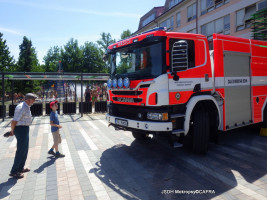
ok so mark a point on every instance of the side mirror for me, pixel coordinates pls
(124, 55)
(105, 57)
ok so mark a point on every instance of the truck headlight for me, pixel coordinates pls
(157, 116)
(120, 83)
(109, 83)
(114, 82)
(126, 82)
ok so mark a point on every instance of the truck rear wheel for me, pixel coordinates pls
(214, 122)
(139, 136)
(201, 131)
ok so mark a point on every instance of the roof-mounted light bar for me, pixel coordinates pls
(155, 29)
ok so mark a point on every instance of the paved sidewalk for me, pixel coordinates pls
(102, 163)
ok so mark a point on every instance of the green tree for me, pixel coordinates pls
(27, 62)
(103, 44)
(71, 55)
(125, 62)
(92, 58)
(6, 60)
(125, 34)
(52, 58)
(27, 56)
(105, 41)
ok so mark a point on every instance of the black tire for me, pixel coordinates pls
(214, 122)
(201, 131)
(139, 136)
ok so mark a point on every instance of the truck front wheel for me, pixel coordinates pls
(139, 136)
(201, 131)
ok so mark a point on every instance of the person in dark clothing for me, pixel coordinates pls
(20, 128)
(87, 94)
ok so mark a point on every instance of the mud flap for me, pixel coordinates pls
(263, 132)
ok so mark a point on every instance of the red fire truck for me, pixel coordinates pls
(171, 84)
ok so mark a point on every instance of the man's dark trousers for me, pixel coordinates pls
(22, 135)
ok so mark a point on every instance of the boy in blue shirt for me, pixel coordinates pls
(55, 126)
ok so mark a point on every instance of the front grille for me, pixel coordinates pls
(127, 100)
(129, 112)
(128, 93)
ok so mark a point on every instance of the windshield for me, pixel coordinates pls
(138, 62)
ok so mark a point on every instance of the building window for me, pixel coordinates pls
(226, 25)
(173, 3)
(148, 19)
(243, 17)
(209, 5)
(168, 23)
(262, 5)
(192, 31)
(191, 12)
(221, 25)
(178, 19)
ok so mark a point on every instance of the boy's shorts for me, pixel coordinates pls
(56, 137)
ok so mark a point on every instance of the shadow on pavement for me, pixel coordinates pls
(46, 164)
(4, 187)
(144, 170)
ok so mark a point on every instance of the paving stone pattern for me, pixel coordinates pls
(104, 164)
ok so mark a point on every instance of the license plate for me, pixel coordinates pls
(121, 122)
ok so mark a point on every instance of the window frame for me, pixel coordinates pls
(224, 31)
(263, 1)
(246, 23)
(171, 23)
(194, 15)
(150, 17)
(173, 3)
(205, 10)
(178, 25)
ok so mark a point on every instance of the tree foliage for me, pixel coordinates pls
(74, 58)
(125, 34)
(103, 44)
(92, 58)
(125, 63)
(71, 55)
(27, 62)
(105, 41)
(52, 59)
(6, 60)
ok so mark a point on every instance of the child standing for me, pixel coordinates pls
(55, 126)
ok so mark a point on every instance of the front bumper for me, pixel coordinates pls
(142, 125)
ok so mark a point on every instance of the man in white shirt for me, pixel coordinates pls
(20, 128)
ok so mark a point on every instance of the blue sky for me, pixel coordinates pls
(48, 23)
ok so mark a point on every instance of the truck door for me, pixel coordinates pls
(237, 89)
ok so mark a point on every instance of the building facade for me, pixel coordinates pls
(229, 17)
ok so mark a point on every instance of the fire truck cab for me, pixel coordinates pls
(171, 84)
